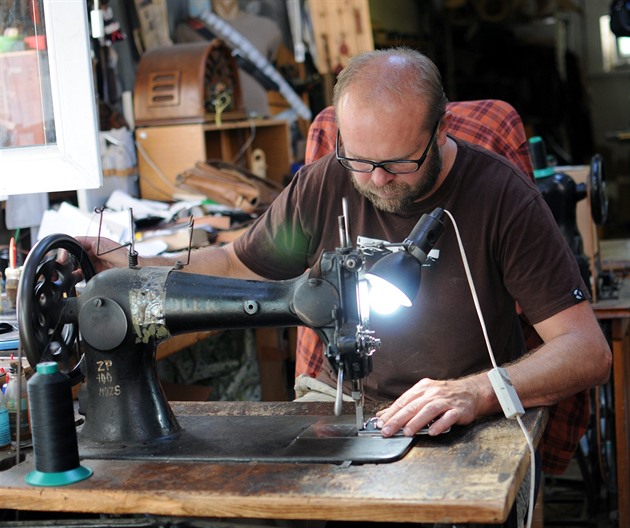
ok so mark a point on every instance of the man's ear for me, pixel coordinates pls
(445, 125)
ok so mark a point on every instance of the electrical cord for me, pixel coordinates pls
(528, 438)
(157, 171)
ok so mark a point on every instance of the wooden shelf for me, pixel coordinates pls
(165, 151)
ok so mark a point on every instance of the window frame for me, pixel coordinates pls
(73, 161)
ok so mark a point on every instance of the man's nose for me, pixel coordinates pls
(380, 177)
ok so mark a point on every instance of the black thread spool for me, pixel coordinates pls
(52, 424)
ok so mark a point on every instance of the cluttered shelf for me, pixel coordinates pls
(165, 152)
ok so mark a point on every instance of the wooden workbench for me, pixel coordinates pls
(470, 474)
(617, 311)
(615, 254)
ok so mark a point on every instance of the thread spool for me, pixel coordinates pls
(55, 442)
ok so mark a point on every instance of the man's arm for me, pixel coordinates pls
(219, 261)
(574, 357)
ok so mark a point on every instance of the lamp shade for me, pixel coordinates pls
(401, 269)
(401, 272)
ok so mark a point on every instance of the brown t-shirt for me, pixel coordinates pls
(512, 243)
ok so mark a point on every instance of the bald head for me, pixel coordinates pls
(398, 77)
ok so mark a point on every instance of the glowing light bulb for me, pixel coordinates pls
(385, 298)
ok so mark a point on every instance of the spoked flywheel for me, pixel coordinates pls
(50, 282)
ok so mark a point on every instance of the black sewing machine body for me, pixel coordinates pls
(124, 313)
(106, 336)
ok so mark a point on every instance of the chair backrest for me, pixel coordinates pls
(497, 126)
(490, 123)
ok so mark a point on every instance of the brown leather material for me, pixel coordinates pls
(178, 84)
(229, 185)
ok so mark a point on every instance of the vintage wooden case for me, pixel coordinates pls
(183, 83)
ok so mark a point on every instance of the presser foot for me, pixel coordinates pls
(370, 429)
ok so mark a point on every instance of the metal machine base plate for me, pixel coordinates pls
(305, 439)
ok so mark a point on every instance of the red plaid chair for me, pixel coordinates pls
(496, 126)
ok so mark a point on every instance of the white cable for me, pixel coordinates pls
(528, 437)
(473, 291)
(532, 467)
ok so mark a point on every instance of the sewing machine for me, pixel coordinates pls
(107, 333)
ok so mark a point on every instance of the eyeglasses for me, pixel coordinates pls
(391, 166)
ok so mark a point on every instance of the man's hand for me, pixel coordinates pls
(445, 403)
(104, 253)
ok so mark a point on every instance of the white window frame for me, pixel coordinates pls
(73, 162)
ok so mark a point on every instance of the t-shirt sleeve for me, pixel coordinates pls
(299, 225)
(287, 239)
(534, 249)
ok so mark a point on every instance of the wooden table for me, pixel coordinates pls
(471, 474)
(615, 254)
(617, 311)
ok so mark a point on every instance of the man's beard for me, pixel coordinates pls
(401, 195)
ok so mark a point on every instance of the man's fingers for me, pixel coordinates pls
(444, 423)
(385, 415)
(414, 416)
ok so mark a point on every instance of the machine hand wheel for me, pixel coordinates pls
(51, 276)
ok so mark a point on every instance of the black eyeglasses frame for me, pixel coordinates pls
(383, 164)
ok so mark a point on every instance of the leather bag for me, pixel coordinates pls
(229, 185)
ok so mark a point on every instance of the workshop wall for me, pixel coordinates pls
(545, 58)
(609, 102)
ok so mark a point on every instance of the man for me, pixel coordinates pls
(395, 161)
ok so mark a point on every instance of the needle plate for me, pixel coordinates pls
(305, 439)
